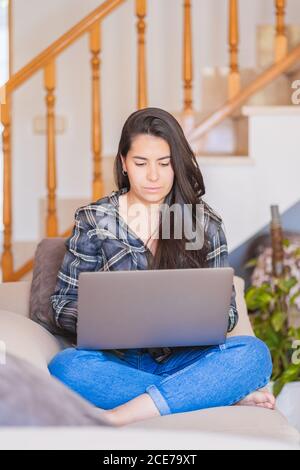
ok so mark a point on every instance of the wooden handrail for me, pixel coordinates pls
(236, 102)
(61, 44)
(46, 62)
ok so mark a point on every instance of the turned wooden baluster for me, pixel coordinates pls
(95, 46)
(141, 11)
(234, 79)
(7, 256)
(188, 58)
(50, 83)
(281, 41)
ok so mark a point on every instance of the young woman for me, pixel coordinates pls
(154, 168)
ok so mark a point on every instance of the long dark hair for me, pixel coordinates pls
(188, 186)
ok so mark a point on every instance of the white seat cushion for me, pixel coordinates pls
(240, 420)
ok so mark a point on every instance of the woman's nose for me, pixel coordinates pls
(153, 174)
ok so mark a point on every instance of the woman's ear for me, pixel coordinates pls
(123, 162)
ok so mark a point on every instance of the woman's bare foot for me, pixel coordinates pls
(261, 398)
(139, 408)
(108, 417)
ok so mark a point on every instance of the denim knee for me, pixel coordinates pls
(245, 362)
(257, 351)
(68, 362)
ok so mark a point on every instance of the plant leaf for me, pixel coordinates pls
(292, 374)
(297, 252)
(277, 320)
(257, 298)
(294, 297)
(251, 263)
(287, 284)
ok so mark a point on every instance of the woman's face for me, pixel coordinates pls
(148, 164)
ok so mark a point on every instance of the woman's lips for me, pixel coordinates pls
(152, 189)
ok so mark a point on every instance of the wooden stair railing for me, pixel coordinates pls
(187, 117)
(62, 43)
(234, 78)
(91, 24)
(236, 96)
(95, 47)
(187, 59)
(50, 85)
(281, 42)
(46, 61)
(141, 11)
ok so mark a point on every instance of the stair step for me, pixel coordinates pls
(215, 89)
(228, 138)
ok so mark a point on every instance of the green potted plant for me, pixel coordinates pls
(275, 306)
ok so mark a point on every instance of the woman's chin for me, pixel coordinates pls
(155, 199)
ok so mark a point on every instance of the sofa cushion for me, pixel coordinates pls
(249, 421)
(103, 438)
(15, 297)
(47, 262)
(30, 398)
(26, 339)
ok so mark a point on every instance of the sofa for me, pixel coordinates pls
(24, 335)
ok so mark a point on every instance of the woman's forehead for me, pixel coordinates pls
(149, 147)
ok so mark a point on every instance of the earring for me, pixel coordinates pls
(124, 173)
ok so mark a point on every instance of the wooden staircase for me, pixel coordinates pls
(231, 137)
(220, 128)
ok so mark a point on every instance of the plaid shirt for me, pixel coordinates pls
(94, 246)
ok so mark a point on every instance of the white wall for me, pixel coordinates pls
(36, 26)
(243, 191)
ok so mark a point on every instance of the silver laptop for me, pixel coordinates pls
(153, 308)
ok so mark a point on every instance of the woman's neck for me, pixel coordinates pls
(131, 198)
(143, 221)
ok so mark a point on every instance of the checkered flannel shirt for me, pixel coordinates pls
(92, 246)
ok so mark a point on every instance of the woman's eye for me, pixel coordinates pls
(143, 164)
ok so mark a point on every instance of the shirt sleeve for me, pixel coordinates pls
(218, 258)
(83, 254)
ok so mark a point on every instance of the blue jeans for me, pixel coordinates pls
(190, 379)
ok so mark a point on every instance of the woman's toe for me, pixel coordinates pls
(262, 399)
(267, 405)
